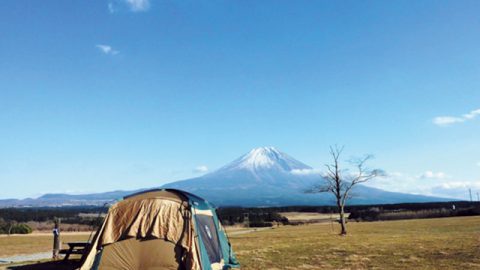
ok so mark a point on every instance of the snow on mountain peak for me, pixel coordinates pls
(266, 158)
(261, 157)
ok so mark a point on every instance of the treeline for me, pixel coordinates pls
(393, 207)
(252, 217)
(417, 206)
(377, 213)
(260, 217)
(92, 216)
(13, 220)
(67, 214)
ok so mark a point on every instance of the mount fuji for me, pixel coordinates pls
(263, 177)
(268, 177)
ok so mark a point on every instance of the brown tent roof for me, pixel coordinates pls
(150, 215)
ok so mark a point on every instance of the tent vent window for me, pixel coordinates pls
(208, 233)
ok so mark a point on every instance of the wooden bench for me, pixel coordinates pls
(74, 248)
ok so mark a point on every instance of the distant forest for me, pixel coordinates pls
(14, 219)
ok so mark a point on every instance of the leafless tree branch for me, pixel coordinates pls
(340, 183)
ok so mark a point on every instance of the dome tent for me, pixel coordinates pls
(158, 230)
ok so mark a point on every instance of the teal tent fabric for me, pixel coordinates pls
(226, 251)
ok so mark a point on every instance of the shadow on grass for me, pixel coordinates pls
(53, 265)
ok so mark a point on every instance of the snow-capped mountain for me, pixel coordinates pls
(265, 158)
(268, 177)
(264, 176)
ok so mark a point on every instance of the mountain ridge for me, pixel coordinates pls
(264, 176)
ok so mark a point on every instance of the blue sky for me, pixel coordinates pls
(104, 95)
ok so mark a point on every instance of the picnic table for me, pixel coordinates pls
(74, 248)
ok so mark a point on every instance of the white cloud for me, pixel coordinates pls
(447, 120)
(428, 183)
(437, 184)
(432, 175)
(138, 5)
(131, 5)
(200, 169)
(455, 184)
(400, 182)
(111, 8)
(393, 174)
(319, 172)
(472, 114)
(306, 171)
(457, 189)
(450, 120)
(106, 49)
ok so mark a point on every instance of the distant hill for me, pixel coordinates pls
(263, 177)
(61, 199)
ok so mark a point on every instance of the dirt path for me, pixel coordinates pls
(249, 231)
(38, 234)
(26, 257)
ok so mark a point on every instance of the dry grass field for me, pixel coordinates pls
(34, 243)
(302, 216)
(446, 243)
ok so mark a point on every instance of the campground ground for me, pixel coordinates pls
(445, 243)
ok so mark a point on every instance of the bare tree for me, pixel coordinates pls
(340, 181)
